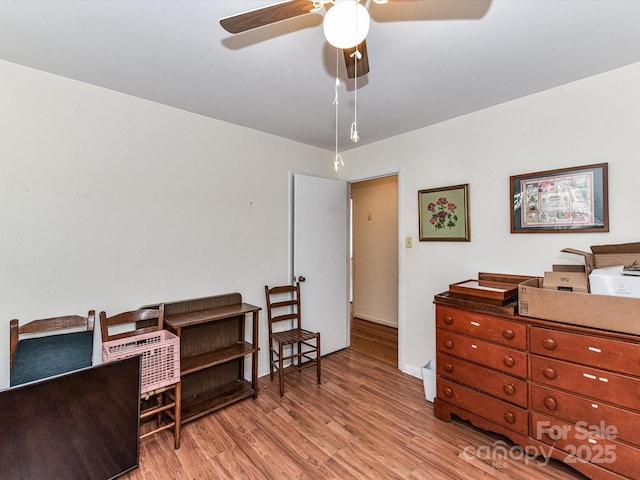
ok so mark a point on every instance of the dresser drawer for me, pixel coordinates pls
(615, 355)
(498, 384)
(489, 328)
(488, 354)
(503, 413)
(598, 384)
(611, 421)
(610, 454)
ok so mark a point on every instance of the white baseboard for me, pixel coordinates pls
(369, 318)
(411, 370)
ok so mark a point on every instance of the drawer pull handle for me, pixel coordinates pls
(594, 405)
(509, 361)
(594, 349)
(592, 440)
(603, 379)
(448, 320)
(509, 389)
(550, 373)
(475, 324)
(473, 345)
(589, 376)
(549, 343)
(510, 417)
(448, 367)
(508, 334)
(550, 403)
(448, 343)
(448, 392)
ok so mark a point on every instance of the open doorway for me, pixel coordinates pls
(374, 268)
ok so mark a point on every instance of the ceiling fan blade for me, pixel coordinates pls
(350, 60)
(412, 10)
(266, 15)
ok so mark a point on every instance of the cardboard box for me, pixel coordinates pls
(609, 255)
(566, 281)
(611, 281)
(619, 314)
(569, 268)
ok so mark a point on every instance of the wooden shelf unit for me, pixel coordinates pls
(213, 349)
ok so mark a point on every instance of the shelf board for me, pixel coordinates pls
(200, 405)
(205, 316)
(215, 357)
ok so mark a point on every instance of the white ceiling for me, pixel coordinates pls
(431, 60)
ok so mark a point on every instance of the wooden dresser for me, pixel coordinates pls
(559, 390)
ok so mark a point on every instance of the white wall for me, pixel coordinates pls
(78, 232)
(111, 202)
(375, 250)
(590, 121)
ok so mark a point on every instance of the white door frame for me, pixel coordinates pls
(397, 171)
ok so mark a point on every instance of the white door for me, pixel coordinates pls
(320, 257)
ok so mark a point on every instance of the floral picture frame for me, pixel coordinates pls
(566, 200)
(443, 214)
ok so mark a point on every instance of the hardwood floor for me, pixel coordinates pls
(375, 340)
(367, 420)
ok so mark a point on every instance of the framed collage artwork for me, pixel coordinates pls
(561, 201)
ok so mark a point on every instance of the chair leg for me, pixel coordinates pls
(177, 415)
(271, 359)
(159, 399)
(318, 370)
(281, 370)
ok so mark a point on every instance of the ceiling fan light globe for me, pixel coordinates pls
(346, 24)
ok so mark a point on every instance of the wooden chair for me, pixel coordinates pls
(303, 346)
(160, 401)
(55, 345)
(136, 322)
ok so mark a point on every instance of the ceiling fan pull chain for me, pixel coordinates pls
(354, 126)
(337, 160)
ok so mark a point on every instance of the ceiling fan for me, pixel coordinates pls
(345, 24)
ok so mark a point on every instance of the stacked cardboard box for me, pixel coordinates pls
(617, 313)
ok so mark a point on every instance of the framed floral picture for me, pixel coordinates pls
(443, 214)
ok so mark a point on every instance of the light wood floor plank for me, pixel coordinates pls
(375, 340)
(367, 420)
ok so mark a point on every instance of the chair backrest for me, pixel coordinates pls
(283, 304)
(136, 322)
(51, 325)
